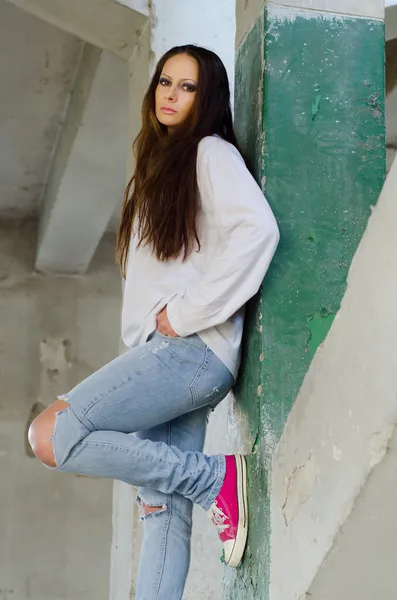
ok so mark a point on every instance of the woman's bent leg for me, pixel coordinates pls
(144, 463)
(165, 553)
(147, 386)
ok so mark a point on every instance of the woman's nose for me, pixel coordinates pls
(170, 94)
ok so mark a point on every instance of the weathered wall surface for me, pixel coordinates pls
(55, 529)
(310, 113)
(332, 501)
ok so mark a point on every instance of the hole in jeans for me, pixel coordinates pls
(63, 398)
(149, 510)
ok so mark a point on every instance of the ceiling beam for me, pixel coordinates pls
(107, 24)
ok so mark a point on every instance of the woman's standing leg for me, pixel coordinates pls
(165, 553)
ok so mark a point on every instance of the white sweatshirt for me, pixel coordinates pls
(207, 293)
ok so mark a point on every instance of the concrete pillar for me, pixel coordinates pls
(81, 196)
(310, 115)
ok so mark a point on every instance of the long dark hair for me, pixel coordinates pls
(162, 196)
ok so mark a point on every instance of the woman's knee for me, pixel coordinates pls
(41, 432)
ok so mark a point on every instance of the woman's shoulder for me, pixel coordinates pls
(215, 145)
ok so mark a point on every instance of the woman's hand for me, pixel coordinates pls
(163, 324)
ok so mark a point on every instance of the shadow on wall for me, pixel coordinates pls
(391, 65)
(391, 87)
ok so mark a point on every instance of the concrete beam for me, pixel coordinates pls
(362, 561)
(141, 6)
(333, 494)
(107, 24)
(88, 171)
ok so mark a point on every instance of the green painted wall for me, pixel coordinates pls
(310, 116)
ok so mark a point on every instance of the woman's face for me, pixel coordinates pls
(176, 90)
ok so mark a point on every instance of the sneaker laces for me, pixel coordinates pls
(218, 518)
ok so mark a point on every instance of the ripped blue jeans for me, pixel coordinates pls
(162, 392)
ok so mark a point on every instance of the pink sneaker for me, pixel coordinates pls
(229, 512)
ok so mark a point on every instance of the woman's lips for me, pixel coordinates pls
(168, 111)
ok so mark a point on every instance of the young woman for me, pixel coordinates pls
(195, 241)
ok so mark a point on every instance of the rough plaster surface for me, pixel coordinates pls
(54, 331)
(361, 563)
(344, 417)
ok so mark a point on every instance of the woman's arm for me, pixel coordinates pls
(249, 236)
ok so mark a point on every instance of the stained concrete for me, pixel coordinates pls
(55, 533)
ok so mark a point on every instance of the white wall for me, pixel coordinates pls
(55, 529)
(207, 23)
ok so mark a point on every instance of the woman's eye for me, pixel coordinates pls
(164, 82)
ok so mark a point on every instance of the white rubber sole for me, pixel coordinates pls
(238, 549)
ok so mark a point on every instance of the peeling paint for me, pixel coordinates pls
(316, 106)
(289, 15)
(318, 325)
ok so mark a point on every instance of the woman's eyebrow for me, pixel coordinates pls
(186, 79)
